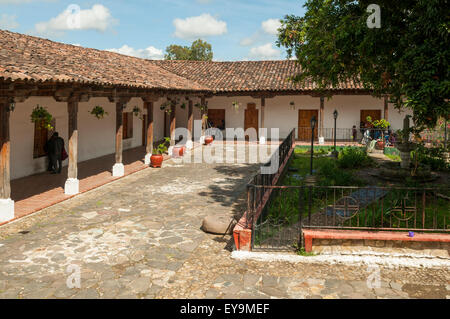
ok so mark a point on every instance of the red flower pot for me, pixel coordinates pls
(156, 160)
(380, 145)
(178, 151)
(208, 140)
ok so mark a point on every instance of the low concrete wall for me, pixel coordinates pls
(333, 246)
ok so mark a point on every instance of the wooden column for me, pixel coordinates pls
(262, 137)
(321, 111)
(119, 131)
(386, 108)
(149, 145)
(5, 185)
(73, 139)
(203, 113)
(172, 123)
(190, 123)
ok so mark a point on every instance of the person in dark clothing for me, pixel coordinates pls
(54, 148)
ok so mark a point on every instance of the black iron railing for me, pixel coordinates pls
(256, 196)
(291, 208)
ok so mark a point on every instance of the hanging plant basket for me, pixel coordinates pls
(137, 112)
(42, 116)
(98, 112)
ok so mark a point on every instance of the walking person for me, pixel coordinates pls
(54, 148)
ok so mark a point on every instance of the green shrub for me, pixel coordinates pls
(332, 175)
(350, 157)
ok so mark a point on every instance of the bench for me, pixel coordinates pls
(310, 234)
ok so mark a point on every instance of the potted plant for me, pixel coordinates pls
(98, 112)
(380, 126)
(235, 105)
(157, 155)
(137, 112)
(42, 116)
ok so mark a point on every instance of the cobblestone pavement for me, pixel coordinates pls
(140, 237)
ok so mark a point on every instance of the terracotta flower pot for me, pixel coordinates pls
(208, 140)
(380, 145)
(156, 160)
(178, 151)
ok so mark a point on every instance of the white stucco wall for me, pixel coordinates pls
(279, 113)
(95, 137)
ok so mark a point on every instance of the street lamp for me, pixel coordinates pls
(313, 125)
(335, 115)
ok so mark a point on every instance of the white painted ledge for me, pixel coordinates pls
(6, 209)
(118, 170)
(72, 186)
(189, 145)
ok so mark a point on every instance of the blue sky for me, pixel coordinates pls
(237, 30)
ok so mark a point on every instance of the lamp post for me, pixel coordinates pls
(313, 125)
(335, 115)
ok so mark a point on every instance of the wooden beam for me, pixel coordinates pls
(203, 113)
(5, 180)
(263, 106)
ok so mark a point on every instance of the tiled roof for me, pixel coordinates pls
(24, 57)
(245, 75)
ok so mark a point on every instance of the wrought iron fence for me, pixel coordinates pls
(290, 208)
(256, 197)
(363, 134)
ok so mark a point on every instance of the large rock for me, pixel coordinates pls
(218, 224)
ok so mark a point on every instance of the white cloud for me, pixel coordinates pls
(271, 26)
(73, 18)
(151, 52)
(8, 22)
(264, 52)
(245, 42)
(201, 26)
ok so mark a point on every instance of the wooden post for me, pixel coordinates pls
(5, 187)
(172, 123)
(149, 107)
(203, 112)
(321, 111)
(6, 204)
(72, 184)
(118, 168)
(386, 108)
(190, 123)
(262, 137)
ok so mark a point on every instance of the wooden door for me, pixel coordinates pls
(374, 114)
(251, 118)
(216, 117)
(304, 124)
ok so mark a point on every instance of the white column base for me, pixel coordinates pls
(202, 140)
(72, 186)
(262, 140)
(189, 145)
(118, 170)
(321, 140)
(147, 158)
(6, 209)
(170, 151)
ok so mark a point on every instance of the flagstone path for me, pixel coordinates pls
(140, 237)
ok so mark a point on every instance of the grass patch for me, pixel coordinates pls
(393, 157)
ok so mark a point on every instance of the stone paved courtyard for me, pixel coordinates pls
(140, 237)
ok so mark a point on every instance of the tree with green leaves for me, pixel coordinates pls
(406, 57)
(198, 51)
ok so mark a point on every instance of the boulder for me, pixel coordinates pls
(218, 224)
